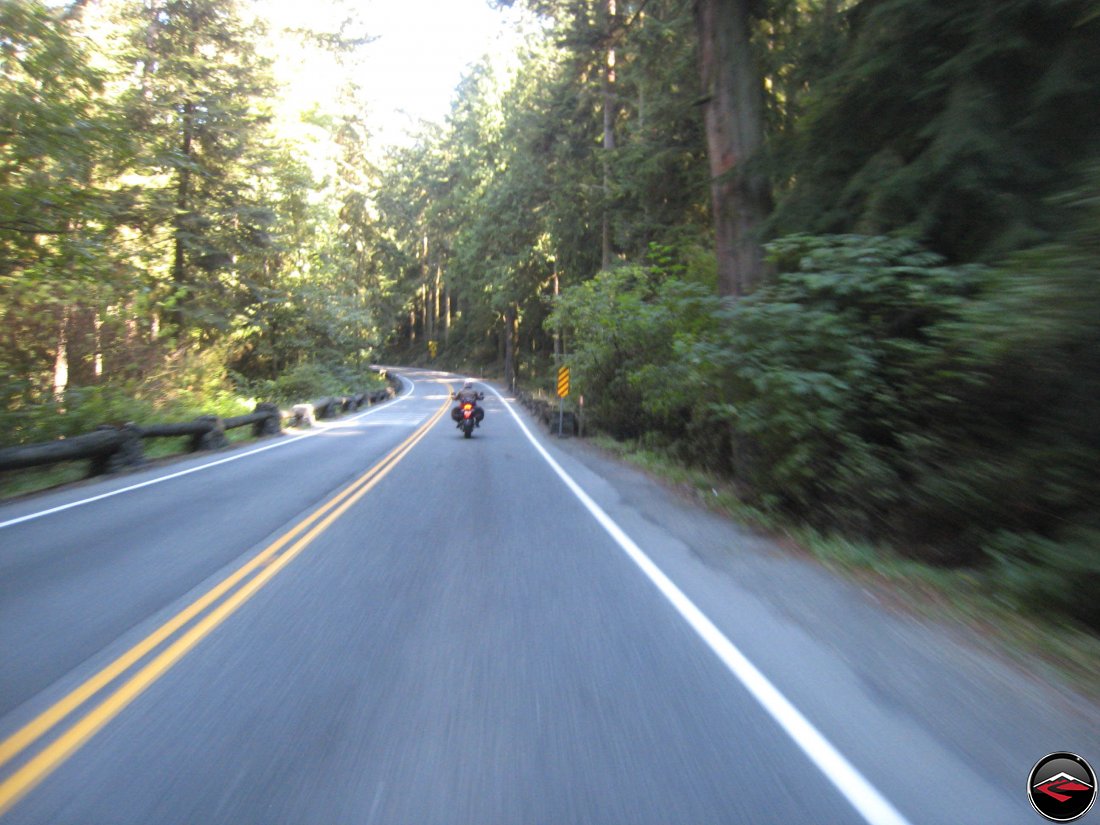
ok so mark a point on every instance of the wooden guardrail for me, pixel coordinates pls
(547, 411)
(331, 406)
(112, 448)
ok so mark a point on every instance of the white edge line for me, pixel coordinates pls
(226, 460)
(855, 787)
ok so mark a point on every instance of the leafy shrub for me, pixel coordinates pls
(873, 388)
(623, 328)
(952, 411)
(832, 374)
(1032, 436)
(193, 382)
(81, 411)
(190, 384)
(304, 382)
(309, 381)
(1044, 573)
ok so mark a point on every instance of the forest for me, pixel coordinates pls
(843, 253)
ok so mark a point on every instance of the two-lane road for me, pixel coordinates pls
(383, 622)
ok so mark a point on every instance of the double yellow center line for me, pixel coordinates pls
(268, 562)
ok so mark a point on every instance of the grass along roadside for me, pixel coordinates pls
(1052, 650)
(306, 381)
(16, 483)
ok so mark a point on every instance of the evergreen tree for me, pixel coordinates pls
(200, 105)
(54, 209)
(953, 122)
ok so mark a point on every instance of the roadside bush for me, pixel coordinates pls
(1045, 574)
(624, 328)
(834, 375)
(1035, 424)
(193, 382)
(309, 381)
(81, 411)
(190, 384)
(952, 412)
(303, 383)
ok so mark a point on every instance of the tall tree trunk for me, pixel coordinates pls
(61, 357)
(80, 345)
(734, 115)
(425, 314)
(183, 203)
(607, 83)
(510, 346)
(97, 363)
(425, 290)
(437, 296)
(557, 329)
(446, 313)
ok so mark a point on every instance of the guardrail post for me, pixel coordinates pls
(323, 407)
(303, 414)
(101, 458)
(270, 424)
(213, 435)
(131, 452)
(122, 452)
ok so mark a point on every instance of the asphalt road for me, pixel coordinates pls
(383, 622)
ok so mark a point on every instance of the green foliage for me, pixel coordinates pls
(1043, 573)
(512, 193)
(54, 244)
(951, 121)
(190, 385)
(304, 382)
(310, 381)
(831, 375)
(148, 209)
(624, 328)
(81, 411)
(198, 96)
(1031, 445)
(193, 382)
(950, 411)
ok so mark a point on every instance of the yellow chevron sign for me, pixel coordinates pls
(563, 382)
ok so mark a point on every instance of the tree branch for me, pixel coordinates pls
(28, 229)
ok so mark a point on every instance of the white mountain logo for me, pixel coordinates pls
(1062, 786)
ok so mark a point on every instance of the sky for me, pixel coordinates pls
(409, 72)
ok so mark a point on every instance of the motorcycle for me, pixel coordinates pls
(468, 421)
(466, 416)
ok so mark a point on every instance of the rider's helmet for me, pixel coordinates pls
(469, 385)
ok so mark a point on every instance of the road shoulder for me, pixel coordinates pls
(927, 675)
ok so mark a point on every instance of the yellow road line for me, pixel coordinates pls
(26, 735)
(23, 780)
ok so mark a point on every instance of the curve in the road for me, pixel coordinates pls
(199, 468)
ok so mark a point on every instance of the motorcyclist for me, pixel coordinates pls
(468, 395)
